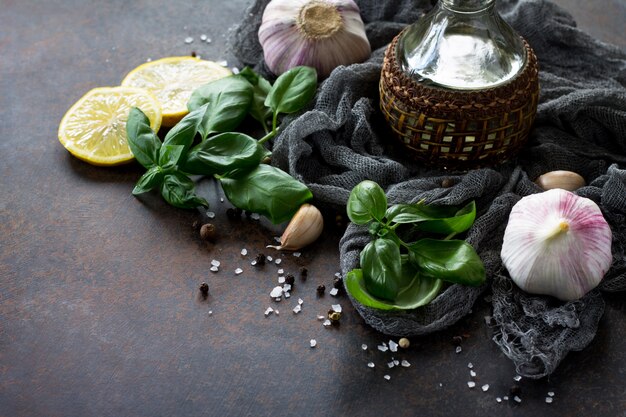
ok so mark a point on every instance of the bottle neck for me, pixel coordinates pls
(467, 6)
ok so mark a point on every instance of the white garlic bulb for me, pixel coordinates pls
(557, 243)
(318, 33)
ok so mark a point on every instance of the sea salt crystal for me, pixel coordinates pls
(391, 364)
(470, 365)
(321, 318)
(238, 271)
(338, 274)
(210, 312)
(405, 363)
(485, 387)
(276, 312)
(517, 399)
(188, 39)
(210, 214)
(244, 252)
(383, 348)
(287, 295)
(281, 280)
(215, 262)
(458, 349)
(499, 399)
(364, 346)
(387, 377)
(224, 63)
(269, 259)
(334, 292)
(471, 384)
(327, 323)
(517, 378)
(487, 320)
(297, 309)
(253, 216)
(551, 394)
(276, 292)
(287, 287)
(268, 311)
(393, 346)
(277, 239)
(278, 261)
(277, 299)
(472, 374)
(214, 269)
(505, 398)
(208, 40)
(297, 254)
(300, 301)
(396, 362)
(203, 37)
(281, 271)
(235, 70)
(253, 263)
(336, 308)
(221, 199)
(313, 343)
(371, 364)
(549, 400)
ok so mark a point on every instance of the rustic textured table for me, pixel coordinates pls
(100, 313)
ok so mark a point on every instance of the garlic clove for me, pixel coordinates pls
(567, 180)
(319, 33)
(557, 243)
(303, 229)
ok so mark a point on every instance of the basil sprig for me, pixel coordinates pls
(203, 143)
(399, 275)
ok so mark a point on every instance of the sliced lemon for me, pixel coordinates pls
(172, 80)
(94, 128)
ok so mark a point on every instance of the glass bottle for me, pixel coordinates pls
(461, 45)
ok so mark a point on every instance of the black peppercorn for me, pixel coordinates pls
(289, 279)
(320, 289)
(193, 54)
(204, 289)
(338, 283)
(260, 259)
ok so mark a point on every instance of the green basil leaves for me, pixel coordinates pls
(203, 143)
(396, 275)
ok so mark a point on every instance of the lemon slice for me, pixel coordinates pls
(172, 80)
(94, 128)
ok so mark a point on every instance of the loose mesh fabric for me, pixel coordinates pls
(581, 126)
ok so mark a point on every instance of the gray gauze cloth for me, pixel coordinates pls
(581, 126)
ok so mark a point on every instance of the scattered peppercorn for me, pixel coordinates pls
(457, 340)
(289, 279)
(404, 343)
(193, 54)
(320, 289)
(338, 283)
(207, 232)
(204, 289)
(303, 273)
(447, 183)
(260, 259)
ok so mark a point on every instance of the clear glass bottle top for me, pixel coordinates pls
(463, 45)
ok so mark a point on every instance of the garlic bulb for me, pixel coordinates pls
(303, 229)
(566, 180)
(318, 33)
(557, 243)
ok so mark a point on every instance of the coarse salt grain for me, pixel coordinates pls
(297, 309)
(485, 387)
(214, 269)
(287, 295)
(269, 259)
(364, 346)
(276, 312)
(280, 271)
(336, 308)
(472, 374)
(458, 349)
(393, 346)
(210, 312)
(276, 292)
(210, 214)
(327, 323)
(244, 252)
(470, 365)
(281, 280)
(517, 399)
(505, 398)
(188, 39)
(551, 394)
(405, 363)
(383, 348)
(396, 362)
(313, 343)
(215, 262)
(371, 364)
(499, 399)
(300, 301)
(203, 37)
(549, 400)
(471, 384)
(391, 364)
(238, 271)
(235, 70)
(387, 377)
(286, 287)
(334, 292)
(321, 318)
(253, 216)
(268, 311)
(297, 254)
(517, 378)
(278, 261)
(253, 263)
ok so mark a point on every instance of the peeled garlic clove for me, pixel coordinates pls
(566, 180)
(303, 229)
(557, 243)
(318, 33)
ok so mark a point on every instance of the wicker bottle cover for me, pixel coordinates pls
(459, 87)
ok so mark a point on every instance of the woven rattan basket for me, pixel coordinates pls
(459, 129)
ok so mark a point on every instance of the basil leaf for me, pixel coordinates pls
(179, 191)
(407, 213)
(142, 140)
(367, 202)
(292, 90)
(150, 180)
(261, 87)
(185, 131)
(268, 191)
(446, 220)
(381, 264)
(229, 100)
(450, 260)
(421, 291)
(223, 153)
(169, 156)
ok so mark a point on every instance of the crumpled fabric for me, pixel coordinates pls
(343, 139)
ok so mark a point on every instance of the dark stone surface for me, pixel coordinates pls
(100, 312)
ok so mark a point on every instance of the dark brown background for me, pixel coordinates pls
(99, 307)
